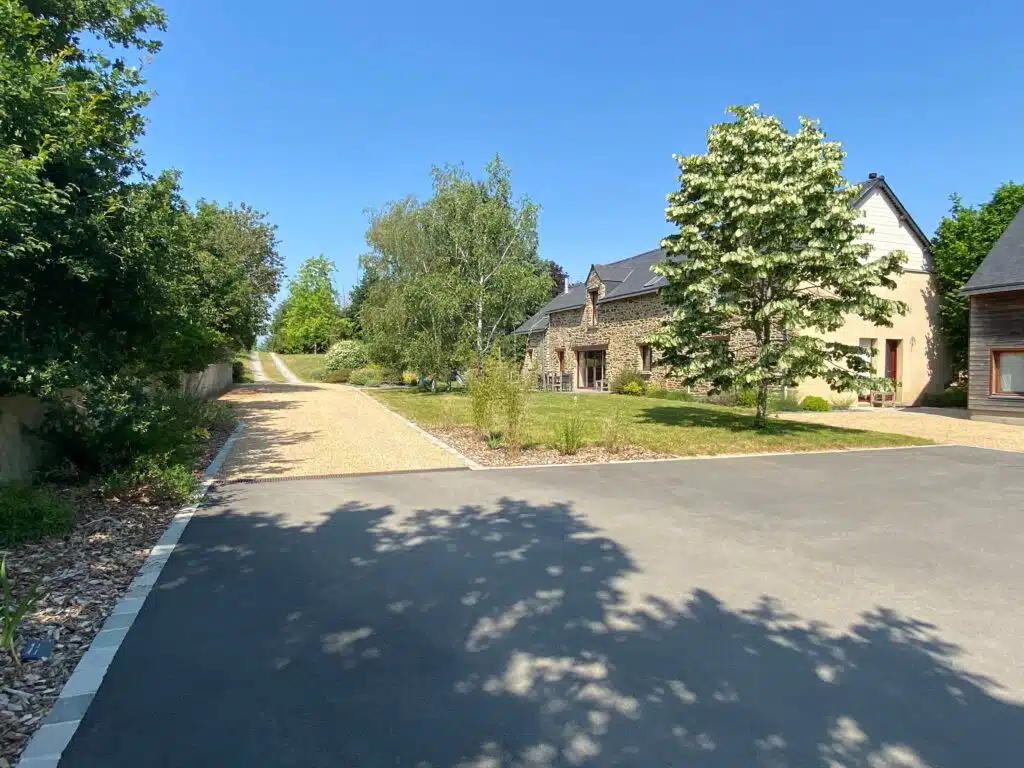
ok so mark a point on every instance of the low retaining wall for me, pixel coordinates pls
(20, 452)
(213, 381)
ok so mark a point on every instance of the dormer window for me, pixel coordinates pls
(593, 307)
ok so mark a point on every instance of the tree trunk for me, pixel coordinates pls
(761, 419)
(480, 330)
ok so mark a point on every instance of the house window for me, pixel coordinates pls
(561, 361)
(1008, 372)
(593, 307)
(646, 358)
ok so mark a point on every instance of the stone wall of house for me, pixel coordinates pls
(622, 328)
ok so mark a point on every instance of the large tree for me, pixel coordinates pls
(768, 259)
(451, 278)
(70, 115)
(961, 242)
(310, 317)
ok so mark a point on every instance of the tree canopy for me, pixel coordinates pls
(961, 242)
(448, 280)
(769, 257)
(309, 318)
(105, 267)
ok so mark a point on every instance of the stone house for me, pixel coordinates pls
(594, 331)
(995, 389)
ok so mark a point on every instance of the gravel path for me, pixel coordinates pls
(289, 377)
(257, 367)
(942, 426)
(294, 430)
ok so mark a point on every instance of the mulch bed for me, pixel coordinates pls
(470, 443)
(82, 576)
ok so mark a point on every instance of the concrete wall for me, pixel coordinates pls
(20, 453)
(210, 382)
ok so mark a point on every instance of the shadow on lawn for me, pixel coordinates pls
(691, 416)
(499, 636)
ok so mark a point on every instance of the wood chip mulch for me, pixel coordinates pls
(81, 576)
(470, 443)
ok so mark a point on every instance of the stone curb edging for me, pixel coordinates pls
(289, 377)
(432, 438)
(48, 743)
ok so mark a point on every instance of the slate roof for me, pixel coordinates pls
(633, 276)
(1003, 268)
(622, 279)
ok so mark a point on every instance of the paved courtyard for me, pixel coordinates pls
(809, 610)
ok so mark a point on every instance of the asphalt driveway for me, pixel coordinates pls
(817, 610)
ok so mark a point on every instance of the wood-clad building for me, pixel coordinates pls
(996, 291)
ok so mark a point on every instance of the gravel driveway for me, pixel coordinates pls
(295, 430)
(941, 425)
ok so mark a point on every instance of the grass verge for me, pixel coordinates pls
(269, 369)
(306, 367)
(664, 426)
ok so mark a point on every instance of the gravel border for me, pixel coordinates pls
(47, 744)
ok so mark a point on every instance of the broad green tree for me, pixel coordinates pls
(309, 318)
(70, 117)
(769, 257)
(448, 280)
(961, 242)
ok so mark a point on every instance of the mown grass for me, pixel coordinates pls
(306, 367)
(242, 356)
(269, 369)
(665, 426)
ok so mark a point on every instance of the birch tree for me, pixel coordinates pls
(489, 240)
(769, 257)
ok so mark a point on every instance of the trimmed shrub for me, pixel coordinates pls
(625, 379)
(951, 397)
(662, 393)
(29, 513)
(339, 376)
(814, 403)
(409, 378)
(634, 388)
(746, 398)
(366, 377)
(349, 354)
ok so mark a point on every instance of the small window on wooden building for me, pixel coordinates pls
(1008, 372)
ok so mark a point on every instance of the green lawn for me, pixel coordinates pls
(666, 426)
(306, 367)
(269, 369)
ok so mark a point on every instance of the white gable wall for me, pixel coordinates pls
(890, 233)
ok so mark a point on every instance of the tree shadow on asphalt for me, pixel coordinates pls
(501, 637)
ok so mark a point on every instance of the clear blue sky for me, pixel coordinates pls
(316, 110)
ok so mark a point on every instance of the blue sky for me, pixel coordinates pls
(315, 111)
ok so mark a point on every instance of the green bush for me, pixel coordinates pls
(515, 394)
(746, 398)
(237, 371)
(339, 376)
(814, 403)
(627, 378)
(349, 354)
(662, 393)
(366, 377)
(163, 479)
(568, 437)
(634, 388)
(788, 402)
(951, 397)
(410, 379)
(29, 513)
